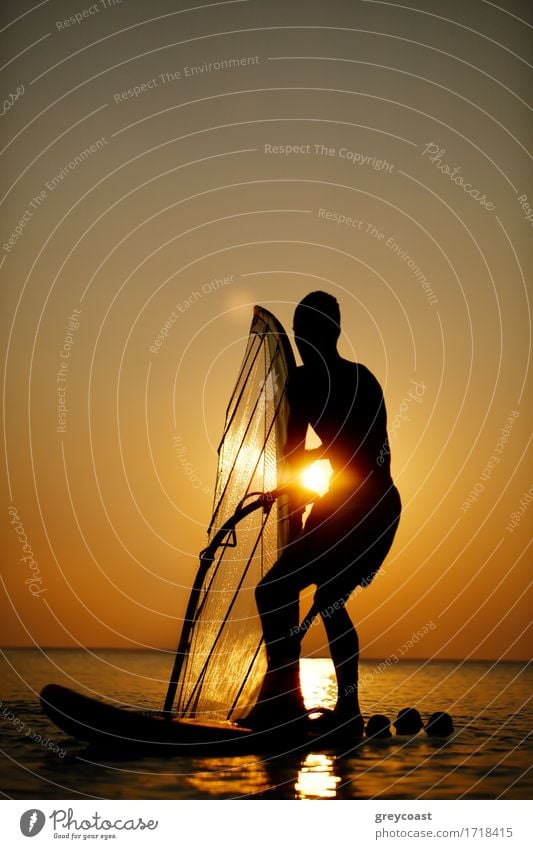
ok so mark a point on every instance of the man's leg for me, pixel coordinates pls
(277, 597)
(344, 647)
(359, 557)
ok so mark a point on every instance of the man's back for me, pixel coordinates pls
(344, 404)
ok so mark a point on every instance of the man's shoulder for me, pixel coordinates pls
(301, 377)
(303, 374)
(363, 377)
(358, 370)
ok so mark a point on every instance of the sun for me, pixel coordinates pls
(316, 476)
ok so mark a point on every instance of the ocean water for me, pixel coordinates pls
(487, 757)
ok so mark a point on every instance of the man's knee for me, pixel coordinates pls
(329, 602)
(283, 581)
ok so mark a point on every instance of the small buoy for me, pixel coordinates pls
(408, 721)
(440, 724)
(378, 727)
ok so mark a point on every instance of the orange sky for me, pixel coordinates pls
(196, 164)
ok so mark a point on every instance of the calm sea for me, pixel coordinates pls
(487, 757)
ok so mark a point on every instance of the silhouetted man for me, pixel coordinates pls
(349, 530)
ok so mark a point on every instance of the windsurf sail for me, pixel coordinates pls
(221, 658)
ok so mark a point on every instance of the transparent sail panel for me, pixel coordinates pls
(226, 660)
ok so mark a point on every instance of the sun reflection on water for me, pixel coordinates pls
(316, 778)
(318, 682)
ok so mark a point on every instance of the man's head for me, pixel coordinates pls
(317, 325)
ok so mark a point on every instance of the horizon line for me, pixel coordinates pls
(318, 657)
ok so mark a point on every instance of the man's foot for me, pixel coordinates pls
(280, 703)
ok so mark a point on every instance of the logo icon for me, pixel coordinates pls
(32, 822)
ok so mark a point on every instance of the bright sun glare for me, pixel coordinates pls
(317, 476)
